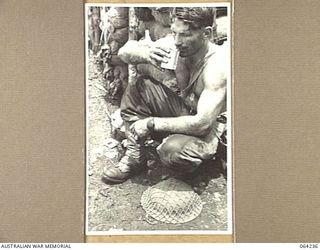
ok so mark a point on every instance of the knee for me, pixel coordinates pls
(173, 154)
(172, 143)
(144, 83)
(139, 86)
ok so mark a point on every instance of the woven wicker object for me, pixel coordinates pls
(171, 201)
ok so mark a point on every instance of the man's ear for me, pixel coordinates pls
(207, 32)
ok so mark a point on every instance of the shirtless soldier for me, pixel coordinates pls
(192, 118)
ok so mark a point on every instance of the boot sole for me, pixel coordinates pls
(106, 179)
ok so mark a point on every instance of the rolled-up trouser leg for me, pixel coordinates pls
(183, 153)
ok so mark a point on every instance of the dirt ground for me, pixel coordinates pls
(117, 207)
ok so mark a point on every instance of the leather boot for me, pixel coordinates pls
(133, 162)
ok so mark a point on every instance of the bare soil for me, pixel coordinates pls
(117, 207)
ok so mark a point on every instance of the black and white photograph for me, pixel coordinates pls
(158, 119)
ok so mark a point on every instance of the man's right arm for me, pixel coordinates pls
(134, 52)
(138, 52)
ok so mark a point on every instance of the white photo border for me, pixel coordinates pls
(230, 127)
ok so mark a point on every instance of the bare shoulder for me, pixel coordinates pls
(216, 70)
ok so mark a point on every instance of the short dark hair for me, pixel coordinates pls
(196, 17)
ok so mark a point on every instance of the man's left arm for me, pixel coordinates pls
(209, 106)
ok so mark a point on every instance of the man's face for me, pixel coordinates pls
(188, 41)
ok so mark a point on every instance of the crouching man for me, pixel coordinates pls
(190, 118)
